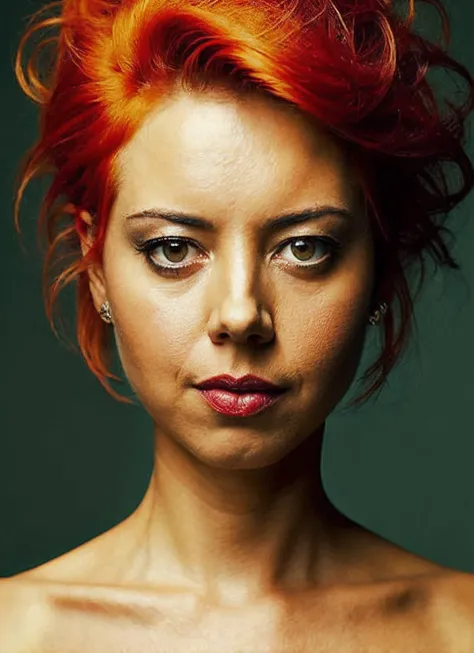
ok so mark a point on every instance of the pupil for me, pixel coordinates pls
(171, 251)
(303, 247)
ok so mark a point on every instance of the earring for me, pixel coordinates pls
(105, 313)
(375, 318)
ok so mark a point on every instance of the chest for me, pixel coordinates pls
(310, 625)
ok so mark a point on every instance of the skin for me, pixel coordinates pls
(236, 163)
(235, 541)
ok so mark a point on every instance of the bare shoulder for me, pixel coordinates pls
(24, 615)
(27, 600)
(89, 562)
(442, 598)
(456, 594)
(452, 609)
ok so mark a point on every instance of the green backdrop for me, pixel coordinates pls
(73, 462)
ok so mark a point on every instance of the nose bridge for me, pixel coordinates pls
(236, 294)
(237, 276)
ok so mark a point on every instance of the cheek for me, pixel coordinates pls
(328, 331)
(153, 334)
(153, 328)
(327, 336)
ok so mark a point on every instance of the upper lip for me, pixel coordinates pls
(249, 382)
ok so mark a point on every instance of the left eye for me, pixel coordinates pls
(304, 248)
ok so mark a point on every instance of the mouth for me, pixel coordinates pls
(245, 384)
(238, 404)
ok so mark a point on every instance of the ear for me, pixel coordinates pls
(95, 271)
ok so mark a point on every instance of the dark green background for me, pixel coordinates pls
(73, 462)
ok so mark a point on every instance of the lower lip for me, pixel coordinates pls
(237, 404)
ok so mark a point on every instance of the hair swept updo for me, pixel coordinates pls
(357, 66)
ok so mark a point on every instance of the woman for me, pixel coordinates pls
(243, 188)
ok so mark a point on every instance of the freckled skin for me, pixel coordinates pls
(235, 545)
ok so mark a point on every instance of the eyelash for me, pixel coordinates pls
(150, 246)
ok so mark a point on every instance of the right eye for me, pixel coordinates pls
(173, 253)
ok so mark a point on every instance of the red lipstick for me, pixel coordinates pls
(242, 397)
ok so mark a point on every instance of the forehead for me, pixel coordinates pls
(216, 150)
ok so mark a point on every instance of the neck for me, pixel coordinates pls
(235, 534)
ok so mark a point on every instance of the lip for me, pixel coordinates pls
(239, 404)
(248, 383)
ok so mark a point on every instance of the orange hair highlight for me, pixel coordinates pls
(356, 66)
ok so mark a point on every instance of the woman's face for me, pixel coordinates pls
(237, 296)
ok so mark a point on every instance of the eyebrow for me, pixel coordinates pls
(271, 224)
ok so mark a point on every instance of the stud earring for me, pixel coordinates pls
(375, 318)
(105, 313)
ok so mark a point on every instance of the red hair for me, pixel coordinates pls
(357, 66)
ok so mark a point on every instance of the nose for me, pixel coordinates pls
(238, 311)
